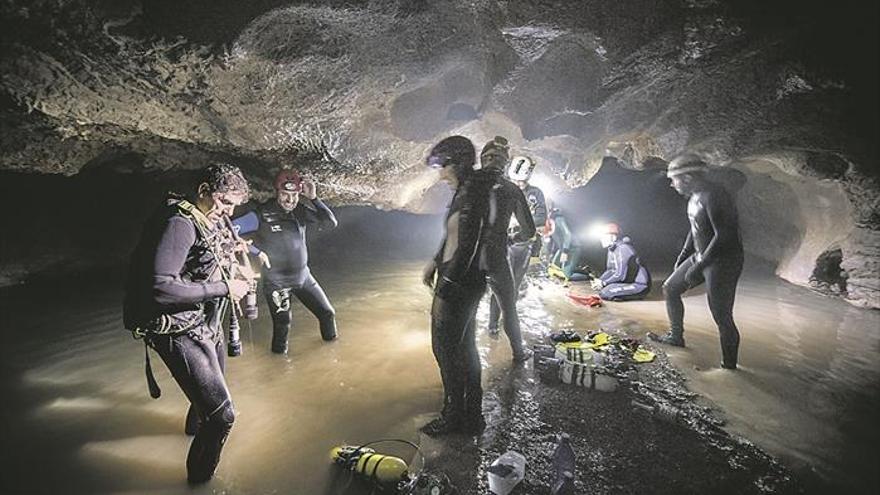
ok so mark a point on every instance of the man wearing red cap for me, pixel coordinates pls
(278, 230)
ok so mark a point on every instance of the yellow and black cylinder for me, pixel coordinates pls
(380, 468)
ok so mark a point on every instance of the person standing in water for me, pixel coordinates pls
(175, 299)
(506, 200)
(520, 171)
(460, 284)
(278, 230)
(712, 253)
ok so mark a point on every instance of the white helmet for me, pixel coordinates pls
(521, 168)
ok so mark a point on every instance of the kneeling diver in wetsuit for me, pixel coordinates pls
(460, 285)
(625, 278)
(505, 201)
(566, 250)
(278, 230)
(712, 252)
(175, 297)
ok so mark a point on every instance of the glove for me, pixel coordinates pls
(428, 275)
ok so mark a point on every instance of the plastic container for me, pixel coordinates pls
(506, 472)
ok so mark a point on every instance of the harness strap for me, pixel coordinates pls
(203, 225)
(155, 391)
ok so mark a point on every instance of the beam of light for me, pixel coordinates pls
(594, 231)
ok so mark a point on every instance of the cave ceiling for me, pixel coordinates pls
(355, 92)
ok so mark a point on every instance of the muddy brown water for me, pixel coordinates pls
(77, 417)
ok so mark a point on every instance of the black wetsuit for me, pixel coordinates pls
(460, 285)
(505, 200)
(282, 236)
(174, 276)
(713, 250)
(564, 242)
(520, 252)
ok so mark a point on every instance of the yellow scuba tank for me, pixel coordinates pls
(380, 468)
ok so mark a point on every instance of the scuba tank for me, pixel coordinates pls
(390, 473)
(380, 468)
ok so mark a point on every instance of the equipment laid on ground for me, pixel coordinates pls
(554, 270)
(382, 469)
(596, 363)
(588, 376)
(388, 473)
(590, 300)
(506, 472)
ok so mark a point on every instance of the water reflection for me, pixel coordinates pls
(78, 418)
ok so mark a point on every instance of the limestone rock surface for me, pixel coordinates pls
(355, 92)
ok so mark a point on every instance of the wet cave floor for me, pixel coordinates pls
(797, 416)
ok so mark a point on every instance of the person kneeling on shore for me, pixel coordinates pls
(625, 278)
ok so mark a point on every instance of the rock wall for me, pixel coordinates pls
(791, 219)
(355, 92)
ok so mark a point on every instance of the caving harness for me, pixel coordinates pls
(164, 324)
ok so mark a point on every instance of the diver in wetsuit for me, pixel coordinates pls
(712, 253)
(278, 230)
(520, 171)
(175, 296)
(625, 278)
(459, 287)
(566, 251)
(506, 200)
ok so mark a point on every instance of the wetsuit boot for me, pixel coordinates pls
(523, 356)
(729, 353)
(448, 422)
(672, 337)
(473, 423)
(327, 324)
